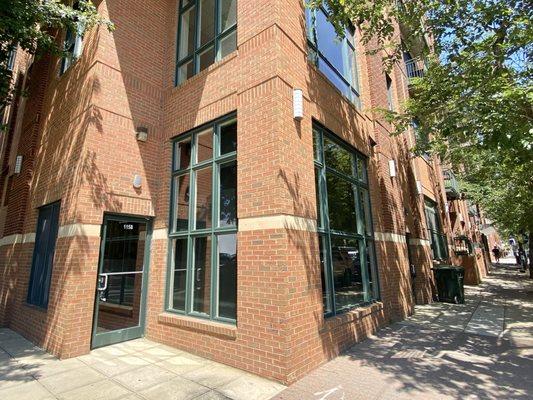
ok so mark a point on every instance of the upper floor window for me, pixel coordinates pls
(438, 241)
(334, 56)
(11, 58)
(72, 45)
(390, 94)
(207, 32)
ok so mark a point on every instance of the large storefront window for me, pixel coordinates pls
(335, 57)
(207, 32)
(203, 226)
(439, 244)
(348, 268)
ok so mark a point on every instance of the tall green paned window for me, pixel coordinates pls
(202, 278)
(437, 238)
(207, 32)
(346, 238)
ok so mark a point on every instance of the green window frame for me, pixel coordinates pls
(201, 42)
(345, 232)
(202, 259)
(322, 53)
(437, 239)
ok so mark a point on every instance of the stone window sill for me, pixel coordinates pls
(355, 315)
(207, 327)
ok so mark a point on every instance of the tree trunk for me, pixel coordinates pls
(530, 256)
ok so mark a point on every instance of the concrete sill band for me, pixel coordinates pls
(219, 329)
(357, 314)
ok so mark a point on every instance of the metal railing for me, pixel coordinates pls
(450, 184)
(415, 68)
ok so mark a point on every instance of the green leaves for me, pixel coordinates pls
(36, 27)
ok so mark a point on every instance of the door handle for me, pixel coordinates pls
(102, 282)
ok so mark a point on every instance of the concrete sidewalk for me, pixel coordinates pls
(138, 369)
(480, 350)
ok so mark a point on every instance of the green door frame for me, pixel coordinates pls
(121, 335)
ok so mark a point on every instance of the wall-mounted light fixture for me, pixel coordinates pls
(141, 134)
(18, 164)
(137, 181)
(419, 187)
(392, 168)
(298, 104)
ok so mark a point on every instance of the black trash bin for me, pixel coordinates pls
(450, 283)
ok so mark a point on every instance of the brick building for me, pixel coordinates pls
(157, 183)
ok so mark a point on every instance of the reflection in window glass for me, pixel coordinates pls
(182, 154)
(228, 138)
(181, 205)
(204, 197)
(227, 276)
(202, 275)
(204, 145)
(326, 296)
(185, 71)
(179, 274)
(317, 191)
(228, 14)
(228, 44)
(228, 195)
(207, 21)
(341, 204)
(206, 58)
(348, 282)
(365, 203)
(187, 29)
(338, 158)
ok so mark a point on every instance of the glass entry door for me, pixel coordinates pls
(121, 286)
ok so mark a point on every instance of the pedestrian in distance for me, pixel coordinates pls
(497, 253)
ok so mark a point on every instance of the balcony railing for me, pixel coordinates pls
(415, 68)
(451, 185)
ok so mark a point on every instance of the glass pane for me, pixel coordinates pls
(228, 14)
(338, 158)
(316, 144)
(326, 294)
(318, 202)
(334, 78)
(187, 28)
(204, 145)
(122, 245)
(181, 204)
(228, 44)
(204, 197)
(361, 169)
(202, 275)
(179, 274)
(206, 58)
(207, 21)
(182, 154)
(346, 273)
(228, 195)
(329, 44)
(365, 203)
(352, 67)
(371, 272)
(341, 204)
(227, 276)
(185, 71)
(228, 138)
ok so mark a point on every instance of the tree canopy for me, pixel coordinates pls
(36, 26)
(473, 105)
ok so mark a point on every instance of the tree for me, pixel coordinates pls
(36, 26)
(473, 105)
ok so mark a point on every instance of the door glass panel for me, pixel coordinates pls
(202, 275)
(228, 195)
(179, 284)
(204, 185)
(121, 276)
(348, 281)
(227, 276)
(181, 206)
